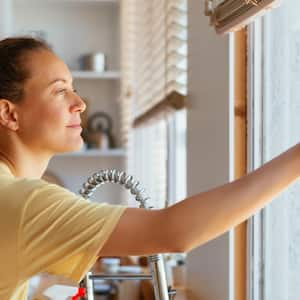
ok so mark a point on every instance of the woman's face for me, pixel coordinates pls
(49, 113)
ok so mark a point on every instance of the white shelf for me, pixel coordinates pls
(96, 75)
(95, 153)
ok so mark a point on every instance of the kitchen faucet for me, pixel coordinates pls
(158, 274)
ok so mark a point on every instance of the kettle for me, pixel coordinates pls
(99, 131)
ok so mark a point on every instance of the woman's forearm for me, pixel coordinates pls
(201, 218)
(204, 216)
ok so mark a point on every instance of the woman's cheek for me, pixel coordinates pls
(55, 115)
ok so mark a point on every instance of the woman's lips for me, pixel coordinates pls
(75, 126)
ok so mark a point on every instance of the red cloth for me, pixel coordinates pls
(80, 293)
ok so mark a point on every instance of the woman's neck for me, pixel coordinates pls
(24, 163)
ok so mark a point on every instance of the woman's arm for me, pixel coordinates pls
(205, 216)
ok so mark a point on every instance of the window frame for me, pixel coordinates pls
(176, 157)
(256, 224)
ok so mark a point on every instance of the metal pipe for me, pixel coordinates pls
(158, 273)
(120, 277)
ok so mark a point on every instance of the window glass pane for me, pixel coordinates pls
(281, 129)
(177, 157)
(149, 161)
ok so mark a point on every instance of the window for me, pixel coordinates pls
(274, 90)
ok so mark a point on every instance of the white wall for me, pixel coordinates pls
(208, 144)
(74, 29)
(5, 18)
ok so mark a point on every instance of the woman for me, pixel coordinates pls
(46, 228)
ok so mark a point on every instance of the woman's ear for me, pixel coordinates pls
(8, 115)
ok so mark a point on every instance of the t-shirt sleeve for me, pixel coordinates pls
(62, 233)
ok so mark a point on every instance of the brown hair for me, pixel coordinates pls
(13, 71)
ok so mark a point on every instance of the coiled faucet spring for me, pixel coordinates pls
(158, 274)
(114, 176)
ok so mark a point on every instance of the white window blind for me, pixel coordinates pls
(160, 53)
(154, 59)
(154, 81)
(232, 15)
(128, 14)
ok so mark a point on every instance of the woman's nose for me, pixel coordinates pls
(78, 105)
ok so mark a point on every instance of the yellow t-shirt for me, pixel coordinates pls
(46, 228)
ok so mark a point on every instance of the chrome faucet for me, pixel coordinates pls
(158, 274)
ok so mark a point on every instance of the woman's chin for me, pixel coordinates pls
(73, 147)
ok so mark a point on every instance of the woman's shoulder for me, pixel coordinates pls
(21, 191)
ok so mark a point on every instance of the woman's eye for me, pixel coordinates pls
(62, 91)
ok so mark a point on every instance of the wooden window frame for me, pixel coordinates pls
(240, 159)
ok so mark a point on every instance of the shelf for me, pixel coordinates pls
(95, 153)
(96, 75)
